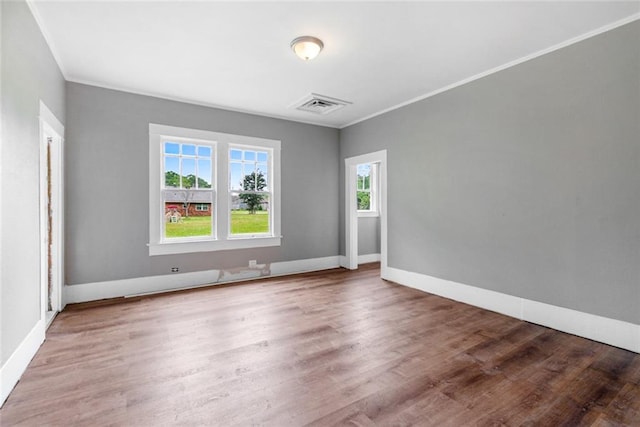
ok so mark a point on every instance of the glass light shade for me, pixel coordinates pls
(307, 47)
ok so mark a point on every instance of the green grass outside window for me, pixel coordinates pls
(242, 222)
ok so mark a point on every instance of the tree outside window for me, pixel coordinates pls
(250, 191)
(365, 187)
(188, 177)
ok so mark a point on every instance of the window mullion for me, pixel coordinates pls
(196, 167)
(223, 194)
(180, 169)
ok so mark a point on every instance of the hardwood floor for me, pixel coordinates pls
(327, 348)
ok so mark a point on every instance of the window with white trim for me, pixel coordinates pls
(249, 190)
(367, 189)
(212, 191)
(187, 179)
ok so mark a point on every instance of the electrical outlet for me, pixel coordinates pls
(174, 269)
(252, 263)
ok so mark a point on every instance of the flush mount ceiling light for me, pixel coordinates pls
(307, 47)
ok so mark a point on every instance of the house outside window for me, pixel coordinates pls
(212, 191)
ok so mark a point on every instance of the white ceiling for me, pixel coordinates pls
(236, 55)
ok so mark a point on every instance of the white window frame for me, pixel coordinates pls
(374, 211)
(269, 192)
(203, 207)
(221, 238)
(185, 205)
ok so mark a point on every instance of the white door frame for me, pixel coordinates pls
(351, 208)
(51, 128)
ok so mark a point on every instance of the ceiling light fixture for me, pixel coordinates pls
(307, 47)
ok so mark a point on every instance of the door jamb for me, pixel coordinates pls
(50, 127)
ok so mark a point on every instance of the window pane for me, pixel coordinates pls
(188, 150)
(236, 155)
(254, 181)
(248, 183)
(262, 156)
(249, 213)
(264, 181)
(204, 173)
(171, 148)
(186, 220)
(364, 169)
(235, 180)
(250, 155)
(204, 151)
(364, 176)
(188, 173)
(172, 172)
(364, 200)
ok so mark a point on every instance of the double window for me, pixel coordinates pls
(367, 189)
(212, 191)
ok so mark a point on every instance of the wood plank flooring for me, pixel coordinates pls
(326, 348)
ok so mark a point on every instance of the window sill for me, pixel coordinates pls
(368, 214)
(211, 245)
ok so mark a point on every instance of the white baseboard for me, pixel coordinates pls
(343, 261)
(304, 265)
(171, 282)
(602, 329)
(362, 259)
(365, 259)
(17, 363)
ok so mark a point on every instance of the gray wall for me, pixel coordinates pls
(107, 185)
(528, 178)
(29, 74)
(368, 235)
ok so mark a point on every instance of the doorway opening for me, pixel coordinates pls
(358, 189)
(51, 214)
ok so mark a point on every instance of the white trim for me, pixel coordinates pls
(47, 116)
(47, 37)
(17, 363)
(365, 259)
(350, 260)
(598, 328)
(165, 283)
(362, 259)
(212, 245)
(343, 262)
(284, 268)
(368, 214)
(350, 226)
(510, 64)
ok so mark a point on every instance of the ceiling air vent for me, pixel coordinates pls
(319, 104)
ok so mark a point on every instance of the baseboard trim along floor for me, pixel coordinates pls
(598, 328)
